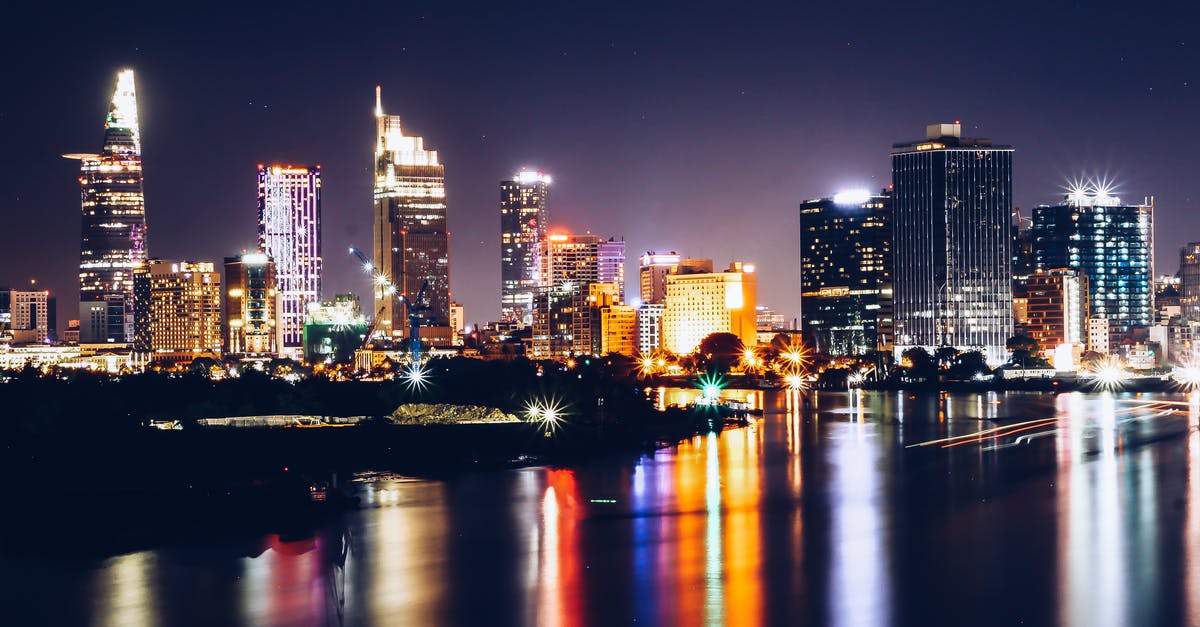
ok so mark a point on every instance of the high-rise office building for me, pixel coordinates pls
(411, 238)
(653, 273)
(181, 317)
(251, 326)
(952, 243)
(289, 233)
(523, 222)
(113, 235)
(569, 267)
(1189, 281)
(846, 272)
(1110, 242)
(700, 304)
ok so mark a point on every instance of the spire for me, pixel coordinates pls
(378, 102)
(121, 125)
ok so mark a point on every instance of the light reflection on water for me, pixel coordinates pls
(817, 513)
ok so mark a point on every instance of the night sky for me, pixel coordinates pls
(694, 128)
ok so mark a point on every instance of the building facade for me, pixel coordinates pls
(27, 316)
(1057, 308)
(334, 329)
(952, 243)
(113, 235)
(523, 221)
(289, 232)
(618, 330)
(653, 272)
(565, 301)
(412, 243)
(251, 325)
(1110, 242)
(179, 310)
(649, 326)
(700, 304)
(1189, 281)
(846, 272)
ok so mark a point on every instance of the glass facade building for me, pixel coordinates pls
(569, 266)
(1189, 282)
(113, 235)
(1110, 242)
(289, 232)
(523, 221)
(952, 243)
(846, 272)
(412, 243)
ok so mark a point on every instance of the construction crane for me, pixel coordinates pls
(414, 307)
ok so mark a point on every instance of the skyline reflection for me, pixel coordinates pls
(819, 512)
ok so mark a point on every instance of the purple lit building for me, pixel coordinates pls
(289, 232)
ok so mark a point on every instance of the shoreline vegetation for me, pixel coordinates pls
(80, 441)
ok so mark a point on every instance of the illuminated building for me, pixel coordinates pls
(649, 326)
(251, 327)
(458, 321)
(654, 270)
(27, 316)
(618, 330)
(334, 330)
(700, 304)
(1167, 301)
(1189, 281)
(564, 304)
(1057, 308)
(181, 313)
(411, 240)
(289, 232)
(71, 333)
(113, 236)
(846, 272)
(523, 221)
(1112, 243)
(952, 243)
(1098, 335)
(587, 306)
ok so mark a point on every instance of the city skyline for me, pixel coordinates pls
(673, 162)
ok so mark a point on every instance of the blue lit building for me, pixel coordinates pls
(1112, 243)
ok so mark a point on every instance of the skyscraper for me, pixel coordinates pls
(846, 272)
(1189, 281)
(289, 232)
(113, 235)
(411, 239)
(1112, 243)
(952, 243)
(574, 273)
(251, 327)
(523, 221)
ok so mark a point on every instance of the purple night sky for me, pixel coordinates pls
(696, 128)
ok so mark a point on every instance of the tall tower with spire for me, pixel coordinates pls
(411, 244)
(113, 235)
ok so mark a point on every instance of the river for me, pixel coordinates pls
(858, 508)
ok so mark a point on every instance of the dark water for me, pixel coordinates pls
(821, 516)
